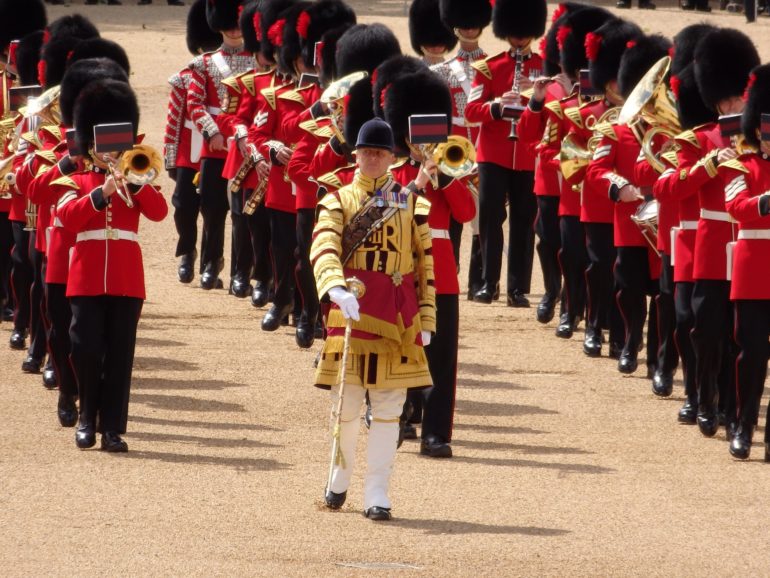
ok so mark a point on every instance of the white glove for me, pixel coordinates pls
(346, 301)
(426, 337)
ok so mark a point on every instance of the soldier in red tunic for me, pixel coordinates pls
(748, 202)
(105, 284)
(506, 167)
(205, 97)
(182, 144)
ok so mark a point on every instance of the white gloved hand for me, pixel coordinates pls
(426, 337)
(346, 301)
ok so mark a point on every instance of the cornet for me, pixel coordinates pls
(140, 166)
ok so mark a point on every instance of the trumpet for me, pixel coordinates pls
(456, 157)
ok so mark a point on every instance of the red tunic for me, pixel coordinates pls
(493, 78)
(315, 134)
(107, 258)
(748, 178)
(454, 200)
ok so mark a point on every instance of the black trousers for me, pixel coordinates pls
(573, 259)
(603, 312)
(214, 208)
(6, 244)
(103, 335)
(715, 348)
(37, 319)
(498, 184)
(259, 232)
(752, 329)
(186, 202)
(685, 320)
(242, 252)
(21, 276)
(669, 331)
(283, 242)
(304, 270)
(439, 401)
(634, 283)
(549, 244)
(59, 346)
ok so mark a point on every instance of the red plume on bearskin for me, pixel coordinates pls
(41, 72)
(246, 22)
(562, 34)
(275, 33)
(608, 50)
(319, 18)
(559, 12)
(542, 48)
(593, 45)
(749, 86)
(303, 23)
(630, 43)
(674, 83)
(757, 103)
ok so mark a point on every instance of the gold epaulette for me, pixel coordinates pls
(331, 202)
(42, 169)
(47, 156)
(232, 83)
(331, 181)
(688, 136)
(605, 129)
(734, 164)
(400, 162)
(312, 126)
(54, 130)
(527, 94)
(247, 80)
(555, 107)
(269, 95)
(421, 206)
(573, 113)
(293, 96)
(483, 67)
(671, 157)
(65, 181)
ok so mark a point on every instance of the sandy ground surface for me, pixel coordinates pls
(561, 467)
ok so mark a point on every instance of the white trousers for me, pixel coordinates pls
(387, 406)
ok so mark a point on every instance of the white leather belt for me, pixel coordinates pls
(688, 225)
(439, 233)
(104, 234)
(460, 121)
(746, 234)
(189, 124)
(716, 216)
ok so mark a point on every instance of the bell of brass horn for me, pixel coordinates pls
(573, 158)
(651, 100)
(141, 165)
(456, 157)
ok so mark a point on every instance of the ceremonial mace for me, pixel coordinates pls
(357, 288)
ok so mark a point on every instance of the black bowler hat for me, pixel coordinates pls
(375, 134)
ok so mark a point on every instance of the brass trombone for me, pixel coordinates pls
(140, 166)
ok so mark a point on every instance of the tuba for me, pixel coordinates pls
(651, 102)
(456, 157)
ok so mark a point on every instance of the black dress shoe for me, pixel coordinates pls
(304, 335)
(18, 339)
(410, 432)
(740, 446)
(687, 6)
(334, 501)
(112, 442)
(483, 295)
(616, 350)
(239, 288)
(67, 411)
(175, 3)
(627, 363)
(49, 376)
(31, 364)
(708, 423)
(564, 329)
(592, 344)
(378, 514)
(646, 6)
(662, 384)
(518, 299)
(259, 295)
(85, 436)
(434, 447)
(210, 276)
(274, 318)
(689, 411)
(472, 290)
(144, 2)
(114, 3)
(545, 310)
(186, 270)
(703, 8)
(730, 429)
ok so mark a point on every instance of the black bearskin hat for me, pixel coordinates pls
(358, 109)
(465, 13)
(82, 73)
(19, 18)
(364, 47)
(104, 102)
(400, 103)
(426, 28)
(247, 22)
(27, 57)
(572, 38)
(757, 102)
(605, 47)
(289, 44)
(685, 42)
(549, 48)
(314, 22)
(268, 15)
(638, 58)
(222, 14)
(387, 72)
(519, 18)
(100, 48)
(723, 60)
(201, 38)
(328, 54)
(692, 110)
(75, 25)
(64, 34)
